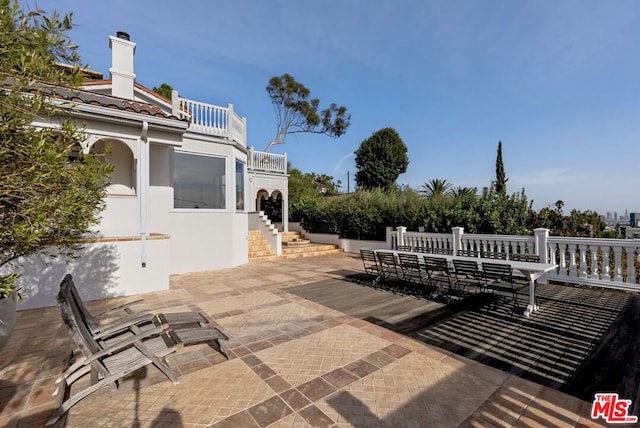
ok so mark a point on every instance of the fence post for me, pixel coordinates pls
(401, 231)
(457, 239)
(388, 238)
(250, 158)
(230, 121)
(542, 247)
(175, 104)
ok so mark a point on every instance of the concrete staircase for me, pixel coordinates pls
(293, 246)
(259, 248)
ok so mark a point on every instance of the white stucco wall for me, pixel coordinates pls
(160, 191)
(210, 239)
(102, 270)
(120, 217)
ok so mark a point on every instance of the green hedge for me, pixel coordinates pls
(366, 214)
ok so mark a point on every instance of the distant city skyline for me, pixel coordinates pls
(556, 82)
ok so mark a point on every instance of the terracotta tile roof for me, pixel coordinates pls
(85, 96)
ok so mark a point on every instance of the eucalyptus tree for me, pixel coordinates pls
(296, 112)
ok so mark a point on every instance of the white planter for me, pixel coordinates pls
(7, 319)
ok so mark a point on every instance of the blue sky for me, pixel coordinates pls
(557, 81)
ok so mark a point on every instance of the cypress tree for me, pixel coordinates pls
(501, 179)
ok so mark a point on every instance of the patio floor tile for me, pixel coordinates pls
(293, 363)
(311, 356)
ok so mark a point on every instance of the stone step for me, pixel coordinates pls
(290, 236)
(311, 254)
(258, 246)
(296, 242)
(261, 259)
(308, 248)
(261, 253)
(264, 247)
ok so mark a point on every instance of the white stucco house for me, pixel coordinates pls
(182, 194)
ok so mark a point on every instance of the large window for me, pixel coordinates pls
(199, 181)
(239, 186)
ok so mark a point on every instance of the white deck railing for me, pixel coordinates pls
(611, 263)
(211, 119)
(267, 162)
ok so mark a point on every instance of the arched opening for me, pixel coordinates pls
(122, 179)
(261, 196)
(272, 206)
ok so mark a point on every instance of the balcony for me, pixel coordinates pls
(266, 162)
(211, 119)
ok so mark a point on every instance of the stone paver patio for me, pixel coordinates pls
(294, 363)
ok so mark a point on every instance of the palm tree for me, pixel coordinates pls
(435, 188)
(462, 192)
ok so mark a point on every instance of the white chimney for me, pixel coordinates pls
(122, 75)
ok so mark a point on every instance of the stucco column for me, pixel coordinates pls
(542, 249)
(388, 237)
(143, 191)
(401, 231)
(457, 238)
(285, 208)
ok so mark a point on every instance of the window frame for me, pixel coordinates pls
(226, 183)
(244, 182)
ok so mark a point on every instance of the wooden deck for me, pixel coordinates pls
(582, 341)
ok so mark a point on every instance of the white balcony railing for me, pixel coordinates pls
(211, 119)
(611, 263)
(267, 162)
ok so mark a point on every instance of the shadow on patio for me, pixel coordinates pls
(294, 362)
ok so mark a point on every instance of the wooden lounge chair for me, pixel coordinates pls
(404, 248)
(121, 317)
(119, 356)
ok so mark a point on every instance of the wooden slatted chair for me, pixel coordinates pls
(120, 317)
(413, 272)
(438, 272)
(419, 249)
(499, 277)
(520, 257)
(467, 274)
(388, 266)
(370, 262)
(443, 251)
(468, 253)
(110, 360)
(493, 255)
(404, 248)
